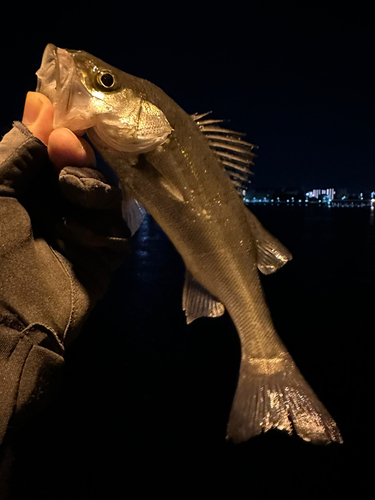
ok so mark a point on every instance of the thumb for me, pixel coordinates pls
(38, 115)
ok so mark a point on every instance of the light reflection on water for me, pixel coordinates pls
(372, 214)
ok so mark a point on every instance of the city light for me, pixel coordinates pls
(328, 197)
(320, 193)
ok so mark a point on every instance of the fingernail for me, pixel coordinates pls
(33, 106)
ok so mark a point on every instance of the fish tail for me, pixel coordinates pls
(272, 393)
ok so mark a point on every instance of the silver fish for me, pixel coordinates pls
(176, 166)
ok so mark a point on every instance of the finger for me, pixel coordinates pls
(89, 188)
(66, 149)
(38, 115)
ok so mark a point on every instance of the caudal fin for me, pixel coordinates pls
(272, 393)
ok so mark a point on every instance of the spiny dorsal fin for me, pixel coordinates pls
(235, 154)
(197, 302)
(271, 254)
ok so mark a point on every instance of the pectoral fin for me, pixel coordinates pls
(197, 302)
(132, 212)
(271, 253)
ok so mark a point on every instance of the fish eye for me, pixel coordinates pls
(106, 80)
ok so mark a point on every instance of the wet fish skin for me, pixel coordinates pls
(168, 167)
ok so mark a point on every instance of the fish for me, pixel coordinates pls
(187, 171)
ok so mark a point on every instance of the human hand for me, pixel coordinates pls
(90, 225)
(61, 237)
(64, 147)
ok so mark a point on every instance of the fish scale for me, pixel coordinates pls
(165, 162)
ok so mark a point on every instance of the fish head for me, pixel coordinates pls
(86, 92)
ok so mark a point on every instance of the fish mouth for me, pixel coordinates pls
(58, 80)
(55, 76)
(46, 74)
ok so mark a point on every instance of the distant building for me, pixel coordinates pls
(341, 193)
(260, 195)
(345, 198)
(289, 194)
(271, 195)
(326, 195)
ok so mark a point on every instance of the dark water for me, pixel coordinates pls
(146, 399)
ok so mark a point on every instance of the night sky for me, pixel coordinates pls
(300, 84)
(298, 81)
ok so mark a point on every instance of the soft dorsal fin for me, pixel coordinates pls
(235, 154)
(271, 254)
(197, 302)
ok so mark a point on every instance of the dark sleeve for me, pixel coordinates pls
(33, 317)
(30, 368)
(56, 261)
